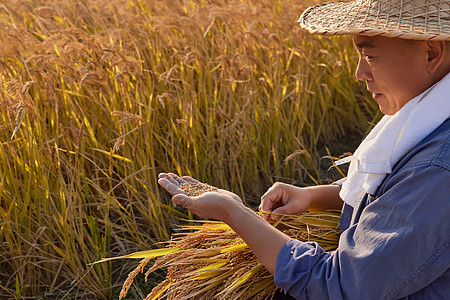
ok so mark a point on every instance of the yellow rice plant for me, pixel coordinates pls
(210, 261)
(97, 97)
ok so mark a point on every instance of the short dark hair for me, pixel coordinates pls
(409, 43)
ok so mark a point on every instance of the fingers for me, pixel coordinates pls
(175, 179)
(276, 201)
(190, 179)
(283, 210)
(170, 186)
(284, 199)
(272, 198)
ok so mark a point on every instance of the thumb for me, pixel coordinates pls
(183, 200)
(277, 213)
(287, 209)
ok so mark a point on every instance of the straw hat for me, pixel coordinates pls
(407, 19)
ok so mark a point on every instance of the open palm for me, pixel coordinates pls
(213, 205)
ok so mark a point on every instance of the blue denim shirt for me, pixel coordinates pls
(395, 245)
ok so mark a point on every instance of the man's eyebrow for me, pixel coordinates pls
(364, 44)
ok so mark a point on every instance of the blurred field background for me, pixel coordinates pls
(99, 96)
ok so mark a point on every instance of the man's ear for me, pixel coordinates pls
(436, 55)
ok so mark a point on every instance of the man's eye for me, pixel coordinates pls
(368, 57)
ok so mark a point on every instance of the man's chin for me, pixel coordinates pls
(386, 111)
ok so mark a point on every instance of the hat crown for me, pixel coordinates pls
(416, 8)
(413, 19)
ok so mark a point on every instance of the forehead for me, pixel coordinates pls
(367, 42)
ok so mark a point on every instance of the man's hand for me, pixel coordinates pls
(216, 205)
(286, 199)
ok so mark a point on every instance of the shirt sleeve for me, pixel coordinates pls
(340, 182)
(399, 246)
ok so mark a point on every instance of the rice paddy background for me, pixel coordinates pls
(97, 97)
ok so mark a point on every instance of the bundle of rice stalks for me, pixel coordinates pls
(210, 261)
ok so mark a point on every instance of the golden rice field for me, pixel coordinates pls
(99, 96)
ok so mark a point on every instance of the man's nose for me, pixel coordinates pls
(363, 72)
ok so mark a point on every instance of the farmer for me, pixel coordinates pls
(395, 201)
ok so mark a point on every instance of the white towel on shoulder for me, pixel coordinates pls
(392, 138)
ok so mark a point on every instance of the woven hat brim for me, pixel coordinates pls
(339, 18)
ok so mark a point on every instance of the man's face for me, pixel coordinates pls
(394, 70)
